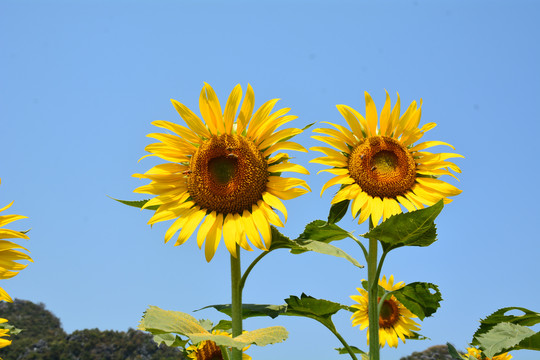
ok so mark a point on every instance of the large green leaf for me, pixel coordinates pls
(158, 321)
(338, 211)
(137, 203)
(453, 352)
(321, 235)
(251, 310)
(503, 337)
(415, 228)
(528, 318)
(419, 299)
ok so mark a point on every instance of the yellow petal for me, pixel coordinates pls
(229, 234)
(289, 194)
(341, 179)
(262, 225)
(428, 144)
(365, 211)
(284, 145)
(385, 115)
(356, 121)
(213, 238)
(182, 131)
(286, 166)
(231, 108)
(246, 110)
(6, 219)
(376, 210)
(336, 135)
(191, 224)
(260, 117)
(278, 136)
(251, 230)
(205, 228)
(191, 119)
(274, 202)
(406, 203)
(394, 118)
(358, 202)
(371, 114)
(338, 144)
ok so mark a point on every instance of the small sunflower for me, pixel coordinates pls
(379, 167)
(478, 354)
(222, 173)
(209, 350)
(395, 320)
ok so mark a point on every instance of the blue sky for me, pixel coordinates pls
(81, 82)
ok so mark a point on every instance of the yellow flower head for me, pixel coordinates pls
(9, 267)
(378, 165)
(209, 350)
(222, 172)
(478, 355)
(395, 320)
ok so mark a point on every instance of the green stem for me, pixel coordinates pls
(334, 331)
(373, 290)
(250, 267)
(236, 301)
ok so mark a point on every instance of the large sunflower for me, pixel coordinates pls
(209, 350)
(478, 354)
(379, 167)
(395, 320)
(222, 173)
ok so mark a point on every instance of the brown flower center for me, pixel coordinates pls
(209, 351)
(228, 174)
(382, 167)
(389, 314)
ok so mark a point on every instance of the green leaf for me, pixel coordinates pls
(453, 352)
(170, 340)
(343, 351)
(137, 203)
(206, 324)
(380, 292)
(158, 321)
(415, 228)
(328, 233)
(251, 310)
(223, 325)
(338, 211)
(529, 318)
(503, 337)
(416, 336)
(418, 298)
(530, 343)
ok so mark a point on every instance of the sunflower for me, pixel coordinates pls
(9, 267)
(379, 167)
(222, 173)
(209, 350)
(478, 355)
(395, 320)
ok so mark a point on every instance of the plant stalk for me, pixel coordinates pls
(373, 289)
(236, 301)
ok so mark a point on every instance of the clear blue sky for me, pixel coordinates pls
(80, 82)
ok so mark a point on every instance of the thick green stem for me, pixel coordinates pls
(236, 301)
(373, 290)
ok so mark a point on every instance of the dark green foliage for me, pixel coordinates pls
(43, 338)
(438, 352)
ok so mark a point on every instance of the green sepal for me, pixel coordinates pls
(416, 336)
(415, 228)
(338, 211)
(158, 321)
(418, 299)
(504, 337)
(171, 340)
(343, 351)
(137, 203)
(251, 310)
(314, 238)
